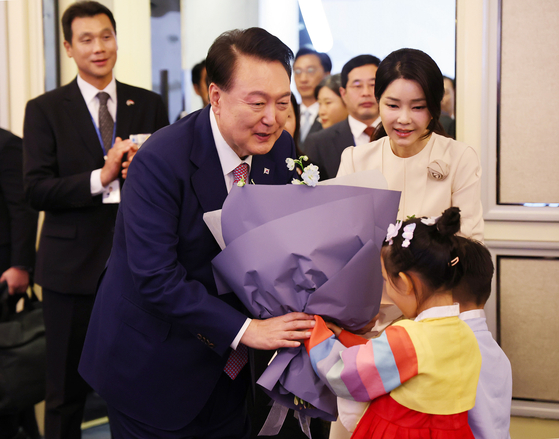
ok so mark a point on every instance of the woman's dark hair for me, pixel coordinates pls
(255, 42)
(432, 253)
(81, 10)
(333, 82)
(297, 124)
(417, 66)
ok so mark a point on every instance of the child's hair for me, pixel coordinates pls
(414, 65)
(475, 286)
(431, 251)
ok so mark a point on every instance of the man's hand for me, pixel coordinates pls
(17, 280)
(278, 332)
(131, 153)
(113, 162)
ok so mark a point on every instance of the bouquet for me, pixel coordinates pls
(310, 249)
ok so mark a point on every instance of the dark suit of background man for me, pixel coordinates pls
(309, 68)
(67, 176)
(160, 336)
(18, 233)
(325, 147)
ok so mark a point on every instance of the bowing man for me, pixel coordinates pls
(161, 343)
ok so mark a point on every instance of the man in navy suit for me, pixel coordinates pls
(160, 337)
(73, 167)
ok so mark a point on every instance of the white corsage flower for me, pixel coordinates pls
(408, 234)
(311, 175)
(438, 169)
(290, 163)
(392, 232)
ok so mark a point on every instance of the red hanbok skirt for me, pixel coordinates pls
(387, 419)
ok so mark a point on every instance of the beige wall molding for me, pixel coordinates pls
(503, 128)
(522, 315)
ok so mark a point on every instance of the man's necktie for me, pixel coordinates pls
(240, 173)
(305, 124)
(106, 123)
(238, 357)
(369, 131)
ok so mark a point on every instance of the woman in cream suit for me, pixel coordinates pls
(432, 171)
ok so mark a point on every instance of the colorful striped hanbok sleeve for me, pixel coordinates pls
(362, 372)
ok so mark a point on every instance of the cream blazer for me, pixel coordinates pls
(443, 174)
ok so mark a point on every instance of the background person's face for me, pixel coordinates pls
(359, 94)
(252, 113)
(308, 73)
(332, 108)
(201, 88)
(93, 48)
(447, 103)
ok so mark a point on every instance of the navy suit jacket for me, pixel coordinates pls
(61, 148)
(325, 148)
(159, 335)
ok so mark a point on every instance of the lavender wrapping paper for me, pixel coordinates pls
(296, 248)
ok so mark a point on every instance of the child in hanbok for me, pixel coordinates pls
(490, 418)
(420, 375)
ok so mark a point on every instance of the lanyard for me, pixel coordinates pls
(99, 135)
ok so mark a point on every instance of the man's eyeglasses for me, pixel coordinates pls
(308, 71)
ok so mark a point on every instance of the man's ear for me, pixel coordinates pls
(68, 48)
(214, 96)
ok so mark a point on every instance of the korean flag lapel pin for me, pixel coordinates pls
(266, 171)
(129, 102)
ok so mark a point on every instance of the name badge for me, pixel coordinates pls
(111, 195)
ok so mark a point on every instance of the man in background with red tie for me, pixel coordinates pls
(325, 147)
(163, 349)
(76, 139)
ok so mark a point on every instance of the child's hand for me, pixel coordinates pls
(368, 327)
(334, 328)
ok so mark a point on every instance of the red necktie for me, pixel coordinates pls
(240, 173)
(369, 131)
(236, 361)
(238, 357)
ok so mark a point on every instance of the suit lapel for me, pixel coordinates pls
(77, 111)
(125, 111)
(208, 180)
(263, 170)
(346, 137)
